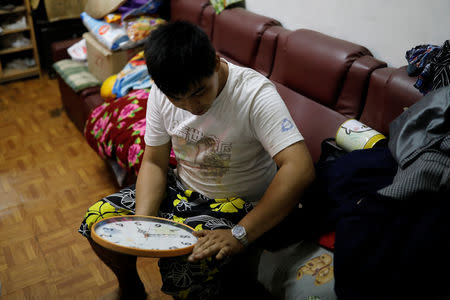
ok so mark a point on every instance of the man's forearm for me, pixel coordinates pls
(280, 198)
(150, 189)
(151, 181)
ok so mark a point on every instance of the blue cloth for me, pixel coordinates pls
(139, 79)
(132, 77)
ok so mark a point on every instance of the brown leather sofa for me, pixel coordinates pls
(323, 80)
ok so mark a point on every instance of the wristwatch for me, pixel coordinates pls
(238, 231)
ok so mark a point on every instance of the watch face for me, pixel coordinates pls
(144, 233)
(238, 231)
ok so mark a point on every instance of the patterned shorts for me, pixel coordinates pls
(181, 278)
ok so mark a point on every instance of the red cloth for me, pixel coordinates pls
(327, 240)
(116, 130)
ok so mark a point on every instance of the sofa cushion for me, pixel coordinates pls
(237, 34)
(75, 74)
(314, 64)
(315, 121)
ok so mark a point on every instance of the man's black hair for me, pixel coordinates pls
(179, 55)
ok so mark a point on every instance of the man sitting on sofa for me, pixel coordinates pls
(242, 163)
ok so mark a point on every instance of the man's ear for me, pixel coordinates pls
(217, 63)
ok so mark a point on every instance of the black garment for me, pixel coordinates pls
(384, 248)
(389, 249)
(340, 177)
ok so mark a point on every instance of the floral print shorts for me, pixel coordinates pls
(181, 278)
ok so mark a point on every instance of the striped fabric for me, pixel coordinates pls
(75, 74)
(429, 173)
(441, 72)
(432, 65)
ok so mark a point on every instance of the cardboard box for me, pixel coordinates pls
(103, 62)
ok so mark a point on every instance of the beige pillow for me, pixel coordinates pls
(100, 8)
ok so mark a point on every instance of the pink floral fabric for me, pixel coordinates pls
(116, 130)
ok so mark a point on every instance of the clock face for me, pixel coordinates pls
(150, 234)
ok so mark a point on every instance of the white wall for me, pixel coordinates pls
(388, 28)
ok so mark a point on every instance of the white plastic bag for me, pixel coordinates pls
(78, 51)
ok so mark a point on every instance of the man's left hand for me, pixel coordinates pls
(219, 242)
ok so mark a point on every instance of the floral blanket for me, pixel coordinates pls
(115, 130)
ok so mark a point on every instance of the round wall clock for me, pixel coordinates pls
(144, 236)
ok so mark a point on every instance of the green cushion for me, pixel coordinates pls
(75, 74)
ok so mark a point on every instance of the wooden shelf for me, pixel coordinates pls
(11, 31)
(14, 50)
(9, 54)
(18, 9)
(8, 75)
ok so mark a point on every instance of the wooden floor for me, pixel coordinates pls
(48, 178)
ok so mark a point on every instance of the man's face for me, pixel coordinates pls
(200, 97)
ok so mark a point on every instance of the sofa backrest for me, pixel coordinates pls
(323, 81)
(237, 35)
(194, 11)
(266, 51)
(330, 71)
(390, 92)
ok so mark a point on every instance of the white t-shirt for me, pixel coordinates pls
(226, 152)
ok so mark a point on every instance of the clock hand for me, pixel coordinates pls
(148, 232)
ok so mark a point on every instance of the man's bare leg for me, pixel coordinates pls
(124, 267)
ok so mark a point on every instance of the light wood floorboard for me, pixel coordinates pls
(48, 178)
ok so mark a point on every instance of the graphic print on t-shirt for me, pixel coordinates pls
(286, 125)
(207, 153)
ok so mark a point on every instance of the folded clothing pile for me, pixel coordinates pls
(122, 24)
(16, 40)
(20, 63)
(13, 23)
(431, 64)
